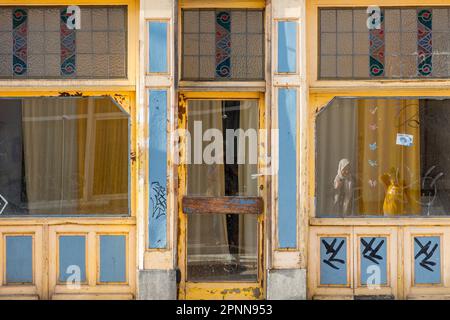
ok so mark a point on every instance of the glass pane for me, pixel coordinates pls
(63, 156)
(397, 43)
(46, 48)
(222, 247)
(223, 153)
(224, 142)
(383, 157)
(217, 44)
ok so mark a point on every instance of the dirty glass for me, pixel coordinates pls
(222, 246)
(383, 157)
(384, 43)
(40, 42)
(223, 45)
(63, 156)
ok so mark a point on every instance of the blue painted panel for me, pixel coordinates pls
(112, 258)
(333, 260)
(157, 46)
(427, 260)
(287, 177)
(158, 169)
(373, 260)
(19, 259)
(287, 46)
(72, 255)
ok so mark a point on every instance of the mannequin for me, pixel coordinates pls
(343, 186)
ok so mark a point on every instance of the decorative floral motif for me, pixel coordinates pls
(424, 43)
(68, 46)
(376, 49)
(20, 49)
(223, 44)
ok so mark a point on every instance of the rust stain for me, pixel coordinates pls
(181, 107)
(68, 94)
(228, 291)
(133, 156)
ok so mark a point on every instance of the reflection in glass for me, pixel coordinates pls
(63, 156)
(383, 157)
(223, 246)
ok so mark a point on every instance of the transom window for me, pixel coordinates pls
(389, 43)
(63, 156)
(39, 42)
(223, 44)
(383, 157)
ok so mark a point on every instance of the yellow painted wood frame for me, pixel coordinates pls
(312, 43)
(92, 288)
(126, 84)
(44, 229)
(399, 231)
(218, 290)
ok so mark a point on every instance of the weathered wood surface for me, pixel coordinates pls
(222, 205)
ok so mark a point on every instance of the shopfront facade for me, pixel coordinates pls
(100, 104)
(246, 149)
(377, 181)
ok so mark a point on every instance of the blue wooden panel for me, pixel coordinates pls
(72, 254)
(157, 215)
(19, 259)
(112, 258)
(333, 260)
(287, 46)
(373, 260)
(427, 260)
(157, 46)
(287, 177)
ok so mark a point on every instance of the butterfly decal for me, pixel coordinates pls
(373, 126)
(373, 110)
(373, 146)
(372, 183)
(373, 163)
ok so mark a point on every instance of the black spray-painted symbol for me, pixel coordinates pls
(371, 253)
(427, 253)
(333, 252)
(158, 200)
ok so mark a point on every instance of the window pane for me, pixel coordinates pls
(45, 47)
(383, 157)
(223, 45)
(222, 247)
(397, 43)
(223, 162)
(63, 156)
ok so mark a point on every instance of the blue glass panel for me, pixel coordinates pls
(158, 168)
(427, 260)
(333, 260)
(373, 260)
(157, 47)
(287, 46)
(72, 255)
(112, 258)
(19, 259)
(287, 177)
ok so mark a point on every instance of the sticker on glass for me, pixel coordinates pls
(404, 139)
